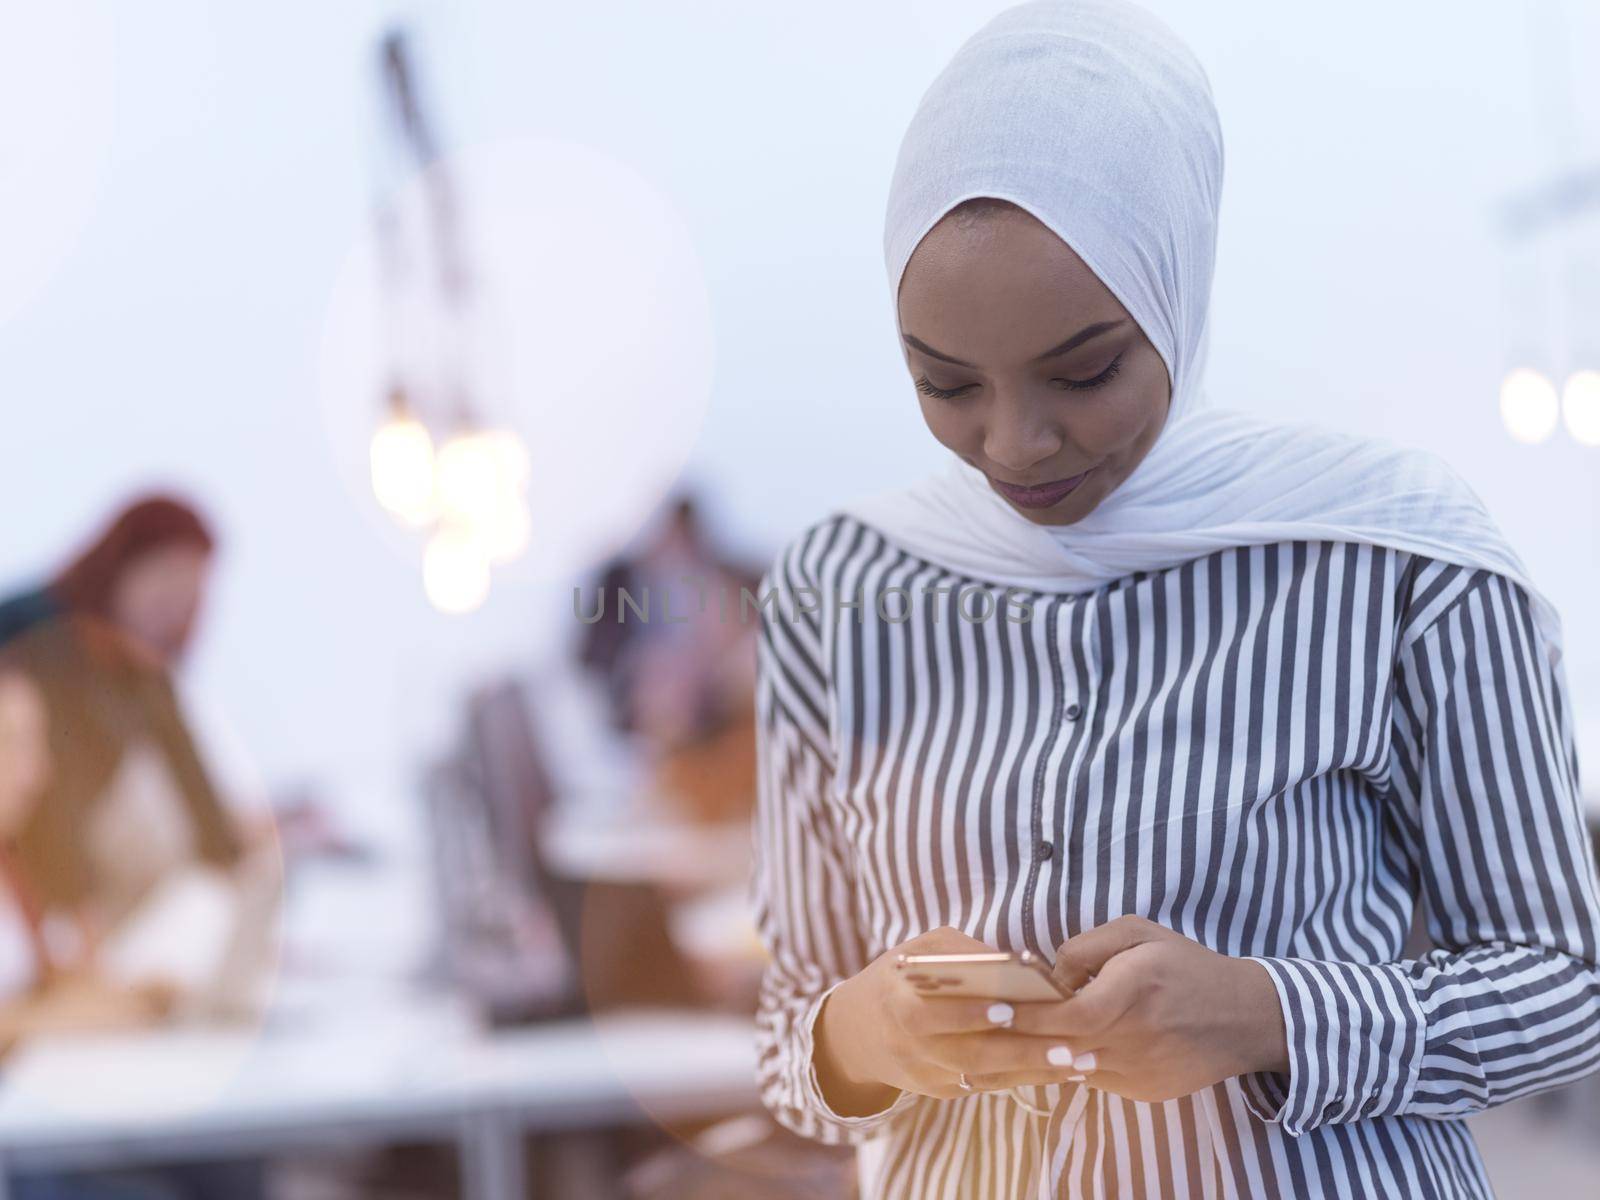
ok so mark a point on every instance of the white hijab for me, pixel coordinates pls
(1094, 117)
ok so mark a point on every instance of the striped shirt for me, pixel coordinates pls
(1281, 751)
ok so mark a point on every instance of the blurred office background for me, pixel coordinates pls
(607, 281)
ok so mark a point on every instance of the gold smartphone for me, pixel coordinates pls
(998, 975)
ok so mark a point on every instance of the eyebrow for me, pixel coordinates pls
(1083, 335)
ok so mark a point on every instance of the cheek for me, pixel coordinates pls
(1118, 421)
(149, 612)
(169, 604)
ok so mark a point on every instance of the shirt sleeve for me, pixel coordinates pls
(1484, 803)
(803, 893)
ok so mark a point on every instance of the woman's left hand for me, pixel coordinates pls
(1162, 1015)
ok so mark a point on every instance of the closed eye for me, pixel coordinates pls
(939, 393)
(1113, 368)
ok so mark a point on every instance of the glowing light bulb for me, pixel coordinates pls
(469, 471)
(483, 478)
(455, 571)
(1529, 405)
(403, 468)
(1581, 403)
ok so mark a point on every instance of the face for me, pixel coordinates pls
(158, 596)
(1027, 366)
(24, 753)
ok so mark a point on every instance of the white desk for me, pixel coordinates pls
(110, 1101)
(649, 849)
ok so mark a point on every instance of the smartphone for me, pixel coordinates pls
(997, 975)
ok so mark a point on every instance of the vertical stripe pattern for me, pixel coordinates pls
(1281, 751)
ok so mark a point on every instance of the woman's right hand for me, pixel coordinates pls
(876, 1037)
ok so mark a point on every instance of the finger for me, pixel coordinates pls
(1053, 1019)
(1083, 955)
(1087, 1066)
(934, 1015)
(1003, 1053)
(1069, 978)
(945, 1084)
(1089, 1015)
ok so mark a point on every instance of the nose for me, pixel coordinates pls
(1020, 433)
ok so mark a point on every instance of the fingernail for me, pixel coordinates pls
(1076, 1078)
(1084, 1062)
(1000, 1014)
(1059, 1056)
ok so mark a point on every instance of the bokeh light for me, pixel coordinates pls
(1529, 405)
(403, 470)
(455, 571)
(1580, 402)
(470, 479)
(482, 479)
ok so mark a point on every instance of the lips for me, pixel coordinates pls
(1041, 495)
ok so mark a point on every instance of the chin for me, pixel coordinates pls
(1070, 514)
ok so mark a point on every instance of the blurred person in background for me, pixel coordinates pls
(40, 997)
(680, 667)
(36, 996)
(129, 799)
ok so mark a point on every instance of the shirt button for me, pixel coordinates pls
(1046, 850)
(1074, 711)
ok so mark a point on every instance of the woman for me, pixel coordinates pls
(1204, 709)
(36, 997)
(101, 641)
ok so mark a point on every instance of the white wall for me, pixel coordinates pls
(180, 182)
